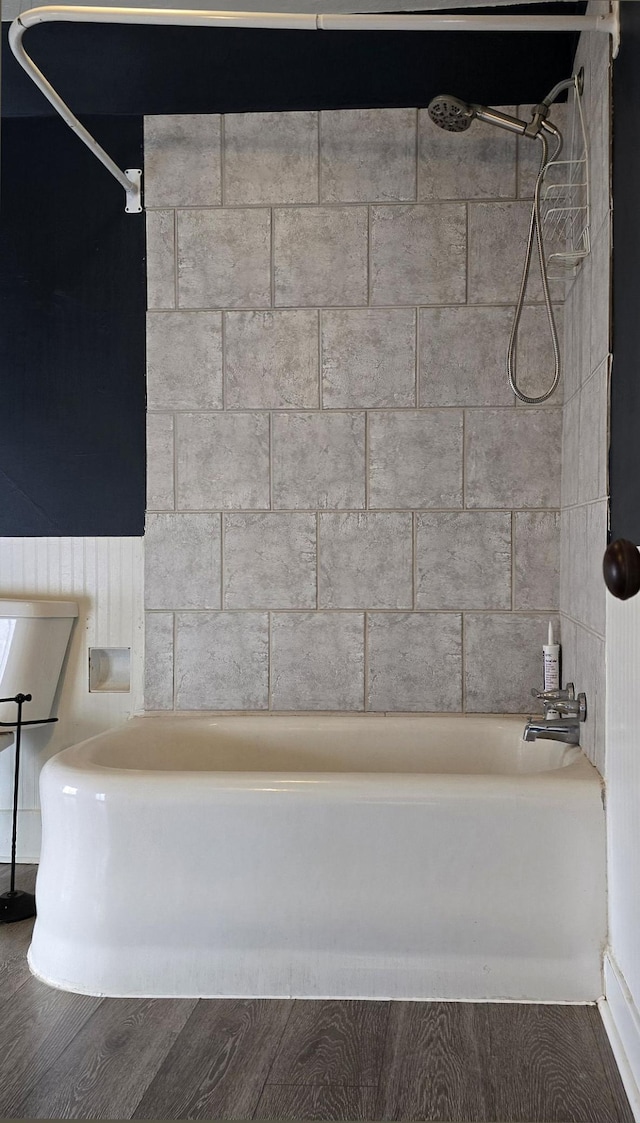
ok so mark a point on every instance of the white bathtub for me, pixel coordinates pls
(365, 856)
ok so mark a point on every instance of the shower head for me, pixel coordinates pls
(455, 116)
(450, 113)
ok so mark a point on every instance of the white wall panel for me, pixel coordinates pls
(104, 576)
(623, 787)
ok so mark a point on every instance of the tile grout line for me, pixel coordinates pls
(466, 244)
(368, 301)
(270, 415)
(328, 411)
(174, 431)
(337, 511)
(176, 287)
(456, 305)
(222, 536)
(365, 661)
(416, 356)
(414, 555)
(223, 346)
(223, 159)
(513, 561)
(463, 473)
(174, 617)
(319, 364)
(317, 513)
(272, 256)
(366, 461)
(463, 665)
(269, 651)
(383, 609)
(354, 204)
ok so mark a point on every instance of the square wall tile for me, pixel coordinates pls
(158, 661)
(182, 561)
(479, 165)
(222, 461)
(270, 158)
(574, 568)
(271, 360)
(598, 125)
(462, 356)
(367, 155)
(512, 457)
(534, 358)
(537, 559)
(590, 678)
(463, 560)
(160, 462)
(182, 160)
(418, 254)
(415, 661)
(317, 661)
(369, 358)
(184, 360)
(593, 456)
(570, 474)
(600, 303)
(503, 661)
(320, 255)
(576, 333)
(415, 459)
(365, 561)
(568, 639)
(161, 259)
(224, 258)
(593, 603)
(269, 561)
(497, 243)
(222, 661)
(318, 460)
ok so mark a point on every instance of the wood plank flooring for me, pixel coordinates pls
(69, 1056)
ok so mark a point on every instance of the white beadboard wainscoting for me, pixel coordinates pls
(621, 1013)
(104, 576)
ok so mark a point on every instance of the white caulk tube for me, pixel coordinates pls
(551, 666)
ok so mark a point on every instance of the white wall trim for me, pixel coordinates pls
(621, 1020)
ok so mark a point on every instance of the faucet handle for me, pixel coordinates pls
(566, 695)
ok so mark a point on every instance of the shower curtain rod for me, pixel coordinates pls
(131, 178)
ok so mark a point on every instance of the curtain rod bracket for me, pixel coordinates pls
(134, 193)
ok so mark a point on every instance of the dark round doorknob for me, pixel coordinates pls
(621, 569)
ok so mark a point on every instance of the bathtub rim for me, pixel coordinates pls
(74, 764)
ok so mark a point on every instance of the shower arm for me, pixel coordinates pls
(131, 178)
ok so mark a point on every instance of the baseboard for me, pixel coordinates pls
(621, 1020)
(28, 836)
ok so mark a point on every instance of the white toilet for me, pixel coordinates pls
(34, 635)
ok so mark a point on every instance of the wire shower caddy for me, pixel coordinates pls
(564, 198)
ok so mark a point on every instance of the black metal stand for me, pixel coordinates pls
(16, 904)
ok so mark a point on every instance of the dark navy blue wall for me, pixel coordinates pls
(72, 280)
(72, 312)
(625, 378)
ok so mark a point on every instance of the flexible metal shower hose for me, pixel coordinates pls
(535, 230)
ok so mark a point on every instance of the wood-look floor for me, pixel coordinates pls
(72, 1056)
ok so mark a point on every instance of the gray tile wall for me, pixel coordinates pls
(346, 509)
(584, 494)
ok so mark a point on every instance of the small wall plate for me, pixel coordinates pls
(133, 204)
